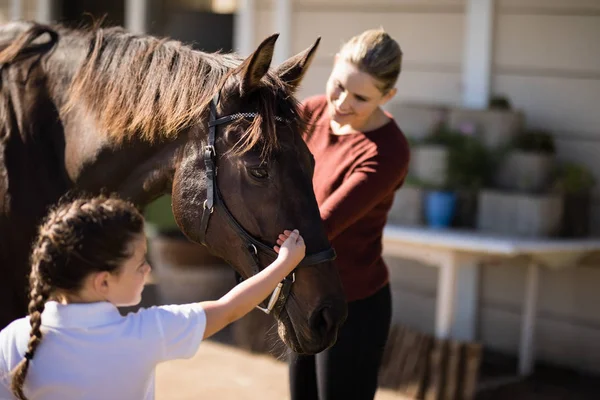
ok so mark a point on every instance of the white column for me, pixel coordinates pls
(527, 345)
(477, 56)
(136, 15)
(47, 11)
(244, 23)
(467, 301)
(444, 312)
(283, 24)
(16, 9)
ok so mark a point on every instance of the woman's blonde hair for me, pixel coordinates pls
(375, 53)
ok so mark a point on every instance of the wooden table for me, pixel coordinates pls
(458, 255)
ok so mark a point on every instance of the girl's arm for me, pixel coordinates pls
(248, 294)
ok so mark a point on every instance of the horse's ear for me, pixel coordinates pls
(293, 69)
(256, 65)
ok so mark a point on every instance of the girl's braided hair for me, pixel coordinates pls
(77, 238)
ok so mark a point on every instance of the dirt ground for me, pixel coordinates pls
(222, 372)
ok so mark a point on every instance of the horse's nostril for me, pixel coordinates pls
(322, 320)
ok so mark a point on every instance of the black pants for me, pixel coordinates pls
(349, 369)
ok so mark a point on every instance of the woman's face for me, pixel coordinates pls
(353, 96)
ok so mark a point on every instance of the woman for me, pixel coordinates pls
(361, 159)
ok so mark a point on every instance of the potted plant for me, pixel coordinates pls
(470, 168)
(499, 102)
(435, 173)
(498, 123)
(430, 157)
(575, 183)
(440, 206)
(529, 163)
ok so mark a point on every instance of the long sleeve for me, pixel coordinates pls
(355, 179)
(367, 185)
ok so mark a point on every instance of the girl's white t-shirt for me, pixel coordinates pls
(90, 351)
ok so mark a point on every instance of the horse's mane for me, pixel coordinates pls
(19, 42)
(141, 85)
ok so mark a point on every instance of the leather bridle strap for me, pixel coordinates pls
(214, 198)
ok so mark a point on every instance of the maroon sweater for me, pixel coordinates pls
(355, 179)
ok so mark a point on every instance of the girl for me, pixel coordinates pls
(361, 159)
(89, 258)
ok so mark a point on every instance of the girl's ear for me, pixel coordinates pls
(100, 282)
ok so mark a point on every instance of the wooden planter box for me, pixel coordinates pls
(186, 272)
(418, 120)
(407, 208)
(526, 172)
(528, 215)
(429, 164)
(497, 127)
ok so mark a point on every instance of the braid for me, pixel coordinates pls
(79, 237)
(40, 292)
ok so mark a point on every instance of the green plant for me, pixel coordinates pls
(158, 214)
(412, 141)
(534, 141)
(499, 103)
(443, 136)
(573, 178)
(470, 163)
(420, 183)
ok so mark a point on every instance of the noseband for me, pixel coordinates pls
(253, 245)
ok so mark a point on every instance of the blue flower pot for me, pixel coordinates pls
(439, 208)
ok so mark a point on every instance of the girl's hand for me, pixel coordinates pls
(290, 247)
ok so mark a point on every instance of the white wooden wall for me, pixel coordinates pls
(429, 32)
(546, 59)
(28, 10)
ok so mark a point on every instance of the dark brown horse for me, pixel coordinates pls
(105, 110)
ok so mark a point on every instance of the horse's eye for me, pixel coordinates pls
(259, 173)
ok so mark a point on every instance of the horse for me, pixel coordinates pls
(102, 110)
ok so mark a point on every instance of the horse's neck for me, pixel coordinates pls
(137, 171)
(62, 65)
(153, 176)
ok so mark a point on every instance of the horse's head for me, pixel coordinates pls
(262, 184)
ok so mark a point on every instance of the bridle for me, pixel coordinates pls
(253, 245)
